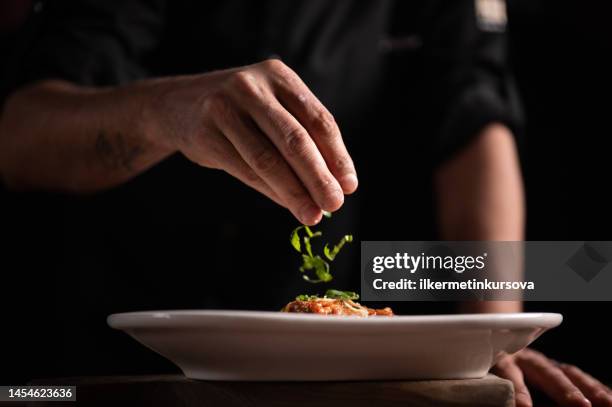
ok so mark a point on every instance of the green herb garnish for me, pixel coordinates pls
(334, 252)
(341, 295)
(320, 267)
(305, 297)
(295, 238)
(312, 262)
(331, 293)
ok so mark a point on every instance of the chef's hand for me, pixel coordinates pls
(261, 124)
(565, 384)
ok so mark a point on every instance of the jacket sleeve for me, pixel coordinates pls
(468, 77)
(89, 42)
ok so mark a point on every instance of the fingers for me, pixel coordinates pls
(265, 161)
(222, 155)
(566, 384)
(548, 377)
(319, 122)
(598, 393)
(234, 165)
(245, 174)
(299, 150)
(293, 145)
(507, 369)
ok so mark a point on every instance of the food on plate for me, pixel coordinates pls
(334, 302)
(315, 269)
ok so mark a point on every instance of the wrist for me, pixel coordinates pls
(150, 112)
(490, 307)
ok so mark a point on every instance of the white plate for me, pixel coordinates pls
(249, 345)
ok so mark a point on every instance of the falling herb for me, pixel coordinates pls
(315, 263)
(331, 255)
(320, 267)
(295, 239)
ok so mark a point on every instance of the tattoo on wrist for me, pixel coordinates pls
(116, 152)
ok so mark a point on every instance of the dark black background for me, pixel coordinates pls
(560, 54)
(561, 58)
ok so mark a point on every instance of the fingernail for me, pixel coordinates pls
(310, 214)
(577, 399)
(349, 183)
(333, 200)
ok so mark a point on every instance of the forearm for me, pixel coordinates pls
(480, 191)
(59, 136)
(259, 123)
(480, 197)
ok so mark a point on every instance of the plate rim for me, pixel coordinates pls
(194, 318)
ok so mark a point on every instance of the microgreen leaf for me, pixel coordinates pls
(341, 295)
(306, 297)
(307, 241)
(320, 267)
(331, 254)
(327, 214)
(295, 239)
(316, 263)
(322, 270)
(332, 294)
(308, 231)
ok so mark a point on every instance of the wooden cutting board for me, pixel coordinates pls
(176, 390)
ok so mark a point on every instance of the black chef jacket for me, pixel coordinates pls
(409, 83)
